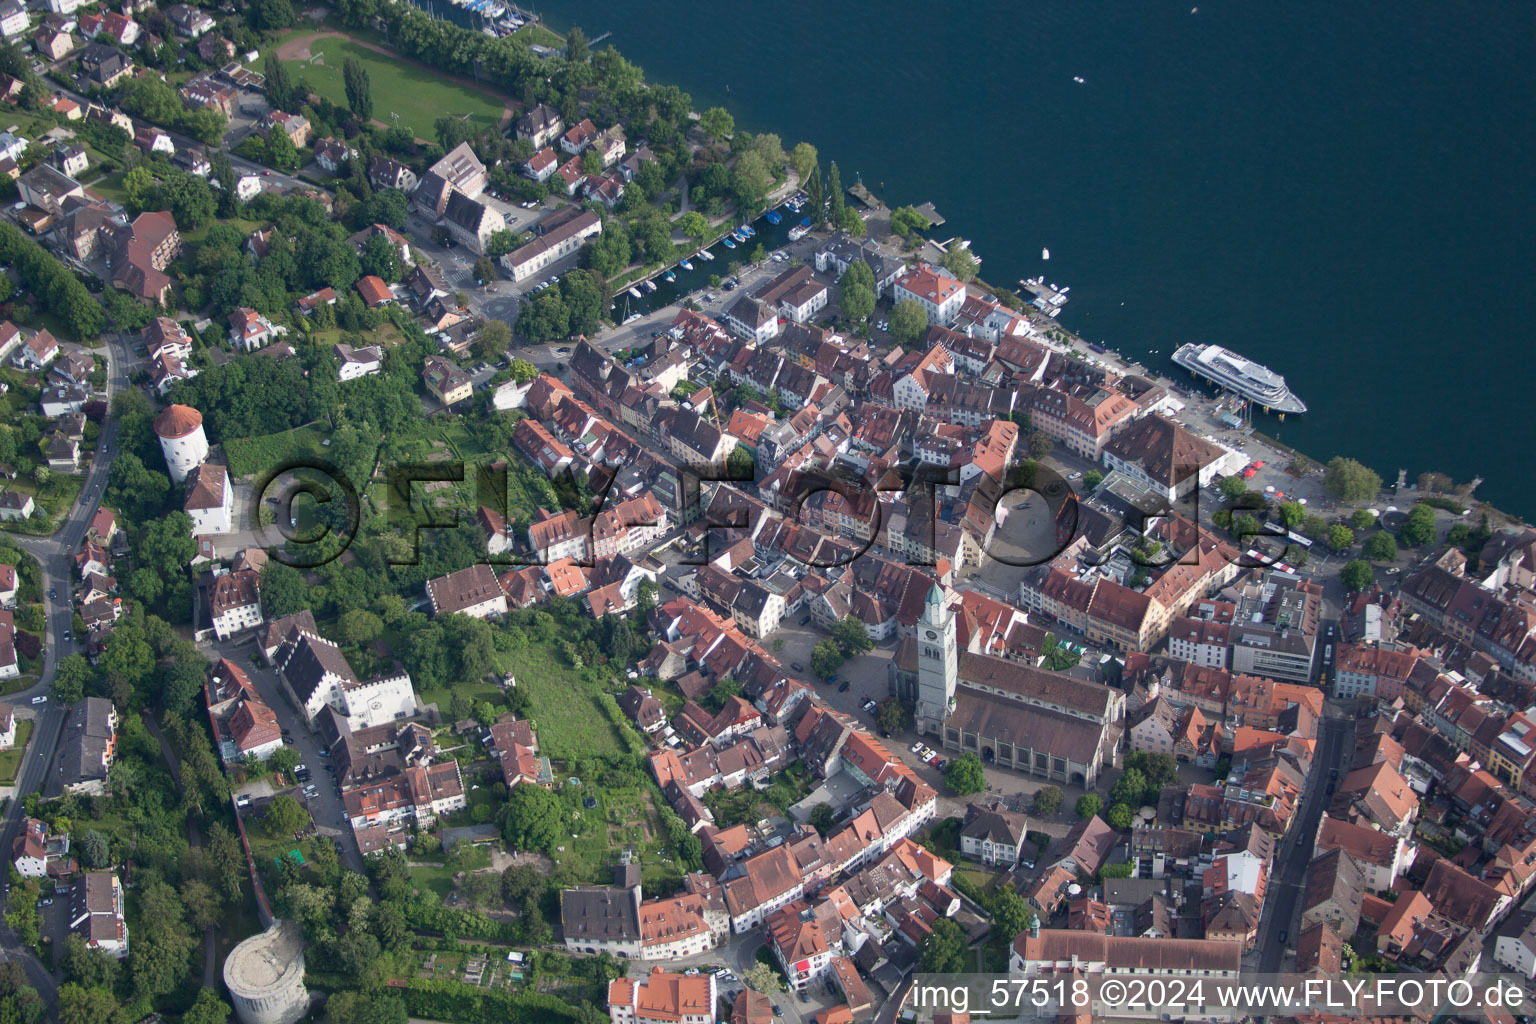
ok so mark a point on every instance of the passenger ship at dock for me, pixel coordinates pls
(1229, 370)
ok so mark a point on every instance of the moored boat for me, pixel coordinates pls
(1251, 380)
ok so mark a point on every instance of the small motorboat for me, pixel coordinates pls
(685, 264)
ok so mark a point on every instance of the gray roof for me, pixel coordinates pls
(600, 915)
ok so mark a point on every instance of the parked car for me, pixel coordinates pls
(805, 621)
(844, 687)
(797, 666)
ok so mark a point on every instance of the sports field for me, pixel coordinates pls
(416, 96)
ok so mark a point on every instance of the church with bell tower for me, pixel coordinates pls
(1007, 712)
(937, 664)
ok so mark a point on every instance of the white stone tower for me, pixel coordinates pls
(182, 441)
(937, 662)
(265, 976)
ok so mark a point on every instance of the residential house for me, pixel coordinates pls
(447, 383)
(993, 836)
(386, 173)
(97, 913)
(333, 154)
(250, 330)
(474, 591)
(472, 222)
(558, 236)
(540, 126)
(142, 253)
(940, 295)
(210, 500)
(358, 362)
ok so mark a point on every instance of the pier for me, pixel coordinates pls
(865, 196)
(1048, 298)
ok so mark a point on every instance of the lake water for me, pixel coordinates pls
(1342, 191)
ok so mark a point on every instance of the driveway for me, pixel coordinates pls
(326, 806)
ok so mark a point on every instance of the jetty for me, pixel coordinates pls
(932, 215)
(865, 196)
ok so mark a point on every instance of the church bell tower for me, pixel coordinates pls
(937, 662)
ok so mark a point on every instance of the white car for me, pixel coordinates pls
(916, 747)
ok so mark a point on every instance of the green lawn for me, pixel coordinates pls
(248, 455)
(10, 759)
(538, 35)
(565, 708)
(110, 186)
(417, 97)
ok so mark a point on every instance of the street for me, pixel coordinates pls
(1283, 899)
(54, 556)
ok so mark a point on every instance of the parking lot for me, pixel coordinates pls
(324, 802)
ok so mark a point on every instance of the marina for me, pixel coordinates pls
(1047, 297)
(495, 18)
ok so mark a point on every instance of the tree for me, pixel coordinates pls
(381, 258)
(359, 89)
(79, 1005)
(284, 759)
(1292, 513)
(91, 968)
(891, 715)
(283, 590)
(359, 626)
(1356, 575)
(1232, 487)
(94, 851)
(740, 465)
(826, 659)
(823, 817)
(281, 153)
(531, 819)
(1363, 519)
(1129, 788)
(577, 48)
(1121, 816)
(285, 816)
(858, 291)
(279, 85)
(1010, 913)
(804, 160)
(814, 197)
(1340, 537)
(1419, 528)
(851, 636)
(964, 775)
(908, 322)
(944, 949)
(139, 188)
(694, 225)
(71, 679)
(1088, 805)
(523, 371)
(1040, 444)
(717, 123)
(761, 977)
(834, 195)
(208, 1009)
(960, 262)
(1092, 479)
(1047, 800)
(492, 339)
(1349, 480)
(1380, 546)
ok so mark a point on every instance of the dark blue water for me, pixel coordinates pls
(1340, 190)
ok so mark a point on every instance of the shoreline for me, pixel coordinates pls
(1497, 517)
